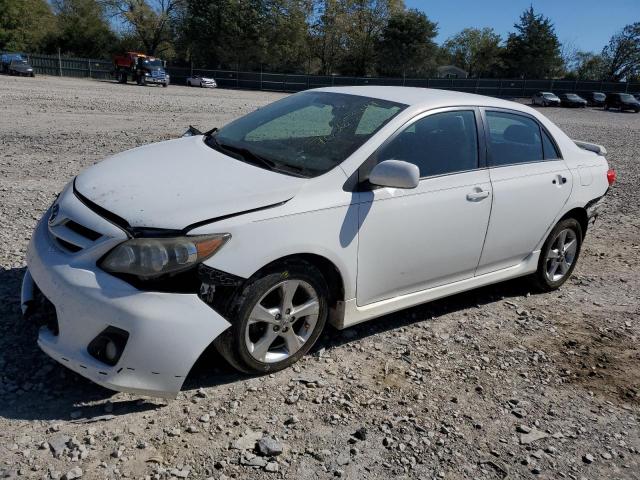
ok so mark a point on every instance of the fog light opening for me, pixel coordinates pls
(109, 345)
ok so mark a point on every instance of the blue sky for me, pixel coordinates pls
(586, 24)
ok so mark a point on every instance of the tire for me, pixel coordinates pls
(546, 277)
(189, 84)
(165, 85)
(242, 343)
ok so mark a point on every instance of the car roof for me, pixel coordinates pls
(425, 97)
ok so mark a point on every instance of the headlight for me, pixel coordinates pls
(152, 257)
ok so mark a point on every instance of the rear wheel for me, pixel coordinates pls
(559, 254)
(276, 319)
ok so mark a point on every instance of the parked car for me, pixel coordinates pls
(16, 64)
(204, 82)
(595, 99)
(623, 101)
(546, 99)
(572, 100)
(332, 205)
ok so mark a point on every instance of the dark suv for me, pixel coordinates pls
(595, 99)
(623, 101)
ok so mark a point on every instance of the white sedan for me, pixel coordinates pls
(334, 205)
(204, 82)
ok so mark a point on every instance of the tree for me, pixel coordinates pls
(407, 46)
(81, 29)
(328, 37)
(534, 50)
(224, 33)
(587, 66)
(476, 51)
(622, 54)
(24, 24)
(365, 21)
(150, 20)
(285, 26)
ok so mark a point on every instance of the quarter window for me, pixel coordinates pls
(438, 144)
(513, 139)
(550, 151)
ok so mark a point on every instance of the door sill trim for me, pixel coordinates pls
(353, 314)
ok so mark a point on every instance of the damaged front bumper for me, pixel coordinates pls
(166, 332)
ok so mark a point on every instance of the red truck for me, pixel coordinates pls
(143, 69)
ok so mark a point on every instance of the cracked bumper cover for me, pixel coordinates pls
(167, 331)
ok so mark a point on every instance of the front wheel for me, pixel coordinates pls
(559, 255)
(276, 319)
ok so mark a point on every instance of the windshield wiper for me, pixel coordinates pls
(245, 154)
(248, 156)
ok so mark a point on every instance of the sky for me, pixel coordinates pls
(584, 24)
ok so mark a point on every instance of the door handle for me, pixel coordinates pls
(477, 195)
(559, 178)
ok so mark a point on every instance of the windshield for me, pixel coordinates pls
(549, 95)
(306, 134)
(152, 63)
(572, 96)
(626, 97)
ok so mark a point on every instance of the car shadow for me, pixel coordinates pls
(35, 387)
(212, 370)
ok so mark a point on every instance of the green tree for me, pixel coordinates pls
(622, 54)
(533, 51)
(328, 34)
(81, 29)
(476, 51)
(587, 66)
(407, 46)
(285, 26)
(365, 21)
(24, 24)
(149, 20)
(224, 33)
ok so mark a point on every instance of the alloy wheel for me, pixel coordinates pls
(561, 255)
(282, 321)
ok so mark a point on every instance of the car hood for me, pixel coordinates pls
(178, 183)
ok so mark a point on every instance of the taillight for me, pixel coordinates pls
(611, 176)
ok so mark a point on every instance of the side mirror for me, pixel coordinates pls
(395, 174)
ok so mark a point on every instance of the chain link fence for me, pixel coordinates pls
(280, 82)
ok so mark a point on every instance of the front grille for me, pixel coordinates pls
(71, 236)
(82, 230)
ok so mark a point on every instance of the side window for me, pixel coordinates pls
(550, 150)
(513, 139)
(438, 144)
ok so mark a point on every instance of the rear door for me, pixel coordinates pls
(530, 182)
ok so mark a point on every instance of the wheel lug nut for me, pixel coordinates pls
(278, 316)
(276, 328)
(288, 311)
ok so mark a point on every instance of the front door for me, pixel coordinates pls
(412, 240)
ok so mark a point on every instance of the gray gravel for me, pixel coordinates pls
(495, 383)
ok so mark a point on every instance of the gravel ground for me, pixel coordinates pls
(500, 382)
